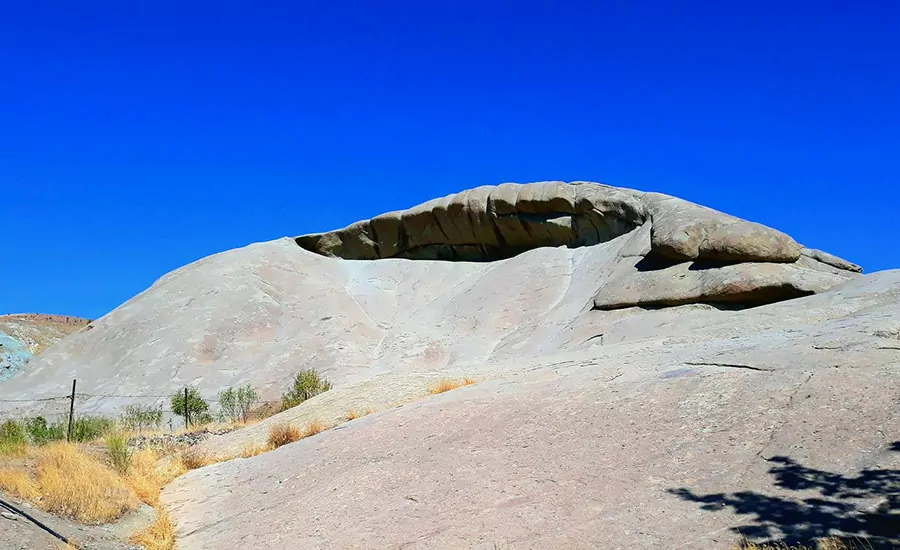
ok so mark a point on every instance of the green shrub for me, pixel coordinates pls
(307, 383)
(194, 407)
(138, 417)
(40, 432)
(12, 437)
(91, 428)
(119, 454)
(236, 403)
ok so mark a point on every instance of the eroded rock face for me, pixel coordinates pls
(491, 223)
(547, 254)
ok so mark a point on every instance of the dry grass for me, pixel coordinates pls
(70, 480)
(76, 485)
(353, 414)
(160, 535)
(19, 484)
(192, 459)
(448, 384)
(148, 475)
(254, 450)
(314, 427)
(282, 434)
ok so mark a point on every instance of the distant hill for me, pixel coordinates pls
(24, 336)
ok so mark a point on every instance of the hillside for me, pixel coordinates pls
(25, 336)
(648, 373)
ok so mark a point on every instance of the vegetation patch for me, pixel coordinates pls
(448, 384)
(237, 403)
(76, 485)
(282, 434)
(19, 484)
(308, 383)
(12, 438)
(119, 453)
(192, 458)
(191, 406)
(137, 418)
(160, 535)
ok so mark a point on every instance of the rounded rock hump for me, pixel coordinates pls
(684, 252)
(496, 222)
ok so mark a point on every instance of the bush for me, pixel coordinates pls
(192, 458)
(237, 403)
(91, 428)
(138, 417)
(307, 383)
(74, 484)
(119, 454)
(41, 433)
(195, 408)
(160, 535)
(282, 434)
(12, 437)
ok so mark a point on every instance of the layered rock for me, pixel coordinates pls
(492, 223)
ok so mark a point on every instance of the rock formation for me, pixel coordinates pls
(716, 257)
(24, 336)
(642, 362)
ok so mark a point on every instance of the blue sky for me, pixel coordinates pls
(139, 136)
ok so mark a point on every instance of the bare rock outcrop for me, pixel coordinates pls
(490, 223)
(627, 395)
(530, 260)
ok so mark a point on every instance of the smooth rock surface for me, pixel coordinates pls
(665, 432)
(259, 314)
(641, 362)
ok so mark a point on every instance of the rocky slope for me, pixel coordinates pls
(258, 314)
(642, 364)
(24, 336)
(678, 427)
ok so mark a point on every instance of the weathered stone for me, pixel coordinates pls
(685, 283)
(593, 424)
(831, 260)
(511, 218)
(687, 231)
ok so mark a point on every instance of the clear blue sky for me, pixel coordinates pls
(135, 139)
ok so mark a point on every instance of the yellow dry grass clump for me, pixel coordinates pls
(253, 450)
(19, 484)
(284, 433)
(192, 459)
(314, 427)
(447, 384)
(76, 485)
(353, 414)
(160, 535)
(148, 475)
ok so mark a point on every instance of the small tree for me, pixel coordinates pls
(194, 408)
(138, 417)
(307, 383)
(237, 402)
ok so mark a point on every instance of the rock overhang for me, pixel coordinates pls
(702, 255)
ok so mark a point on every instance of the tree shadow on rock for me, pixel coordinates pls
(843, 507)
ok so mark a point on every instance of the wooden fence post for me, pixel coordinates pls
(71, 413)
